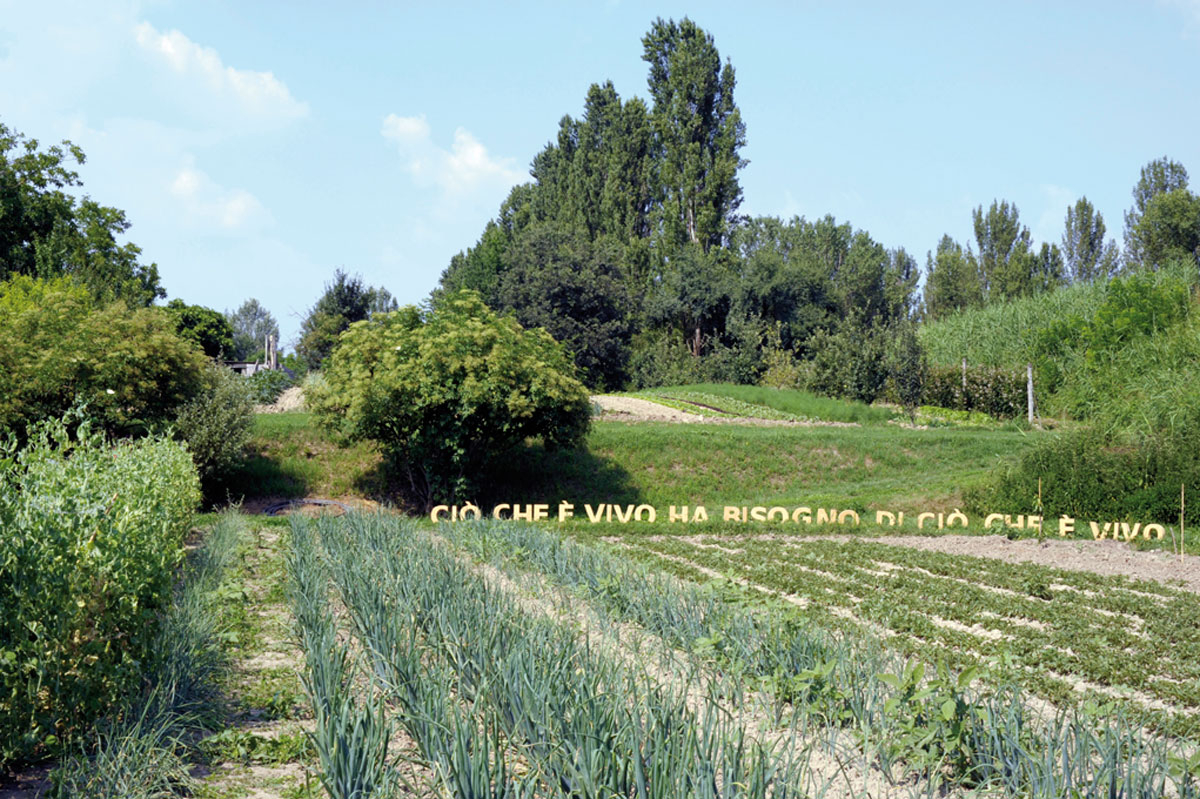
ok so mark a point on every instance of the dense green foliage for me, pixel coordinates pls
(128, 366)
(1123, 356)
(908, 372)
(996, 391)
(1160, 176)
(139, 750)
(558, 281)
(267, 384)
(1093, 345)
(447, 394)
(346, 300)
(1090, 474)
(93, 534)
(1087, 256)
(952, 281)
(208, 328)
(1006, 333)
(216, 423)
(45, 231)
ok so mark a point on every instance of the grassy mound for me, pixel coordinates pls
(760, 401)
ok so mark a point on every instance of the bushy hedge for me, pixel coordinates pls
(93, 534)
(1088, 475)
(59, 349)
(1001, 393)
(449, 392)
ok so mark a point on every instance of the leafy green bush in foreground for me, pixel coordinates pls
(448, 393)
(93, 535)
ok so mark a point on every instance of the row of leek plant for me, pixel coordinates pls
(936, 724)
(504, 703)
(350, 734)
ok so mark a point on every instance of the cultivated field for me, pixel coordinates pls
(509, 662)
(606, 659)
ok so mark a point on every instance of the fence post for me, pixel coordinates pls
(1029, 389)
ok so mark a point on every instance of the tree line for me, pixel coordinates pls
(627, 244)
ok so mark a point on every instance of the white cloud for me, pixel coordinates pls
(260, 94)
(209, 204)
(462, 170)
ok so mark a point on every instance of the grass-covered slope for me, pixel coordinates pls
(662, 464)
(1124, 358)
(1005, 333)
(759, 401)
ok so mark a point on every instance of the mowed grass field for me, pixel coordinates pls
(865, 468)
(664, 464)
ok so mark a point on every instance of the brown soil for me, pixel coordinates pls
(1098, 557)
(257, 506)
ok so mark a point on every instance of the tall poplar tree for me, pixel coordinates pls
(1007, 263)
(1084, 250)
(1164, 222)
(952, 281)
(698, 131)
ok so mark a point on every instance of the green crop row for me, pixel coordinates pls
(985, 738)
(1056, 631)
(502, 703)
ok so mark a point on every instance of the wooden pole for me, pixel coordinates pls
(1181, 503)
(1029, 389)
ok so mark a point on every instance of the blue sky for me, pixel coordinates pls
(258, 146)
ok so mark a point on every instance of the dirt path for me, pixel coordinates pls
(635, 409)
(1105, 558)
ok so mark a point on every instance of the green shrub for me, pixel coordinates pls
(268, 384)
(1001, 393)
(1092, 475)
(93, 535)
(447, 393)
(850, 363)
(658, 359)
(781, 368)
(216, 423)
(1144, 333)
(129, 366)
